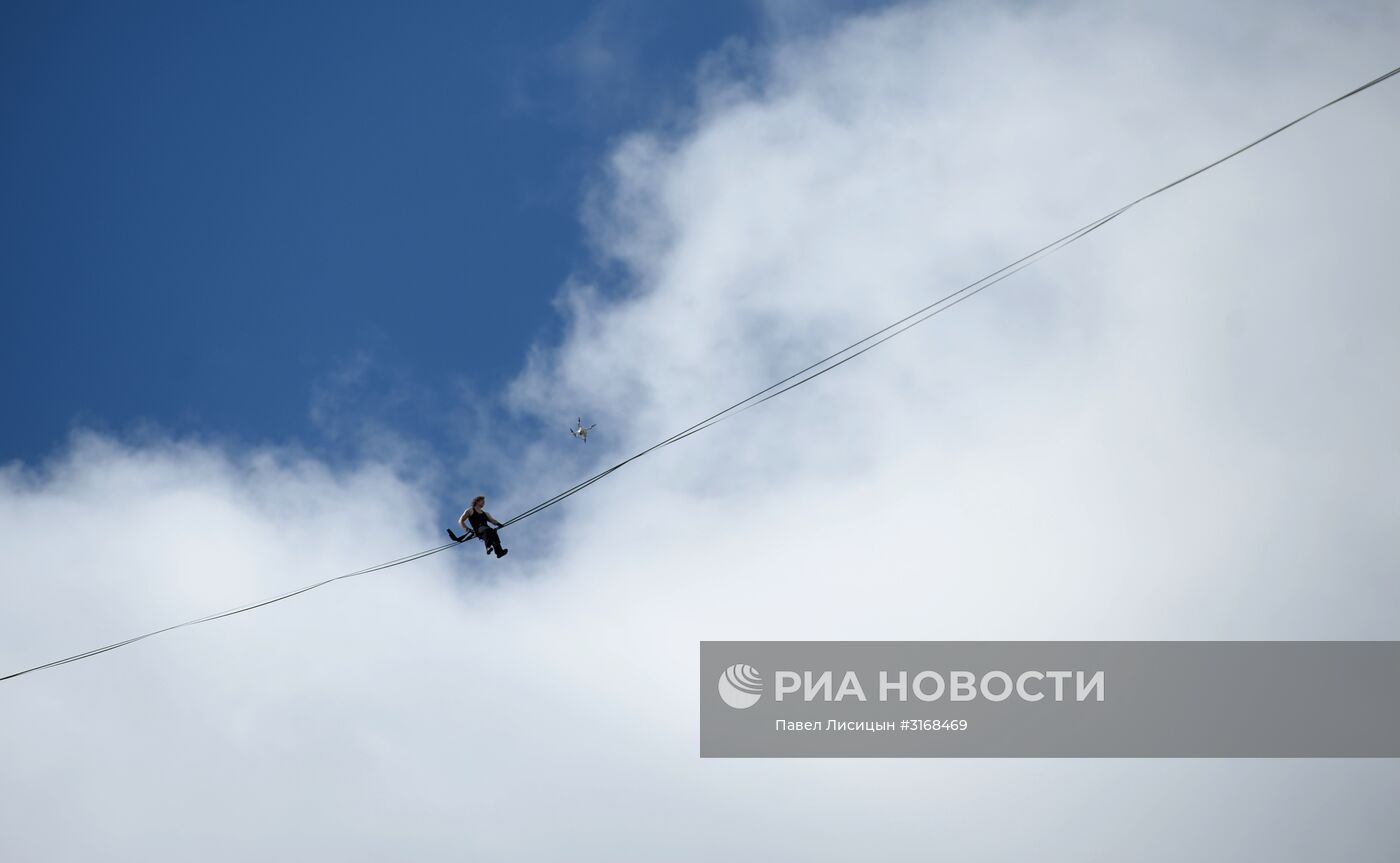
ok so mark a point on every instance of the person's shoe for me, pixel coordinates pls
(502, 553)
(490, 550)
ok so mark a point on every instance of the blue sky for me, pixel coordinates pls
(1181, 428)
(214, 212)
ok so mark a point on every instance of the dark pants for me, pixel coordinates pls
(491, 538)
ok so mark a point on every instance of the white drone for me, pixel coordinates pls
(580, 432)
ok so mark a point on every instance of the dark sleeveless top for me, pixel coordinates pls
(477, 519)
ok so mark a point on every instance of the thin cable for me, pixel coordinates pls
(232, 611)
(938, 306)
(787, 384)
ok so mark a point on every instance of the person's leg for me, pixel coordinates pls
(493, 539)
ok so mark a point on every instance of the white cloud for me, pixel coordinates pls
(1180, 428)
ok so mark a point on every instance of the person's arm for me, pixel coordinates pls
(491, 520)
(463, 519)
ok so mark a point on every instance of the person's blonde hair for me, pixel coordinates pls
(481, 498)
